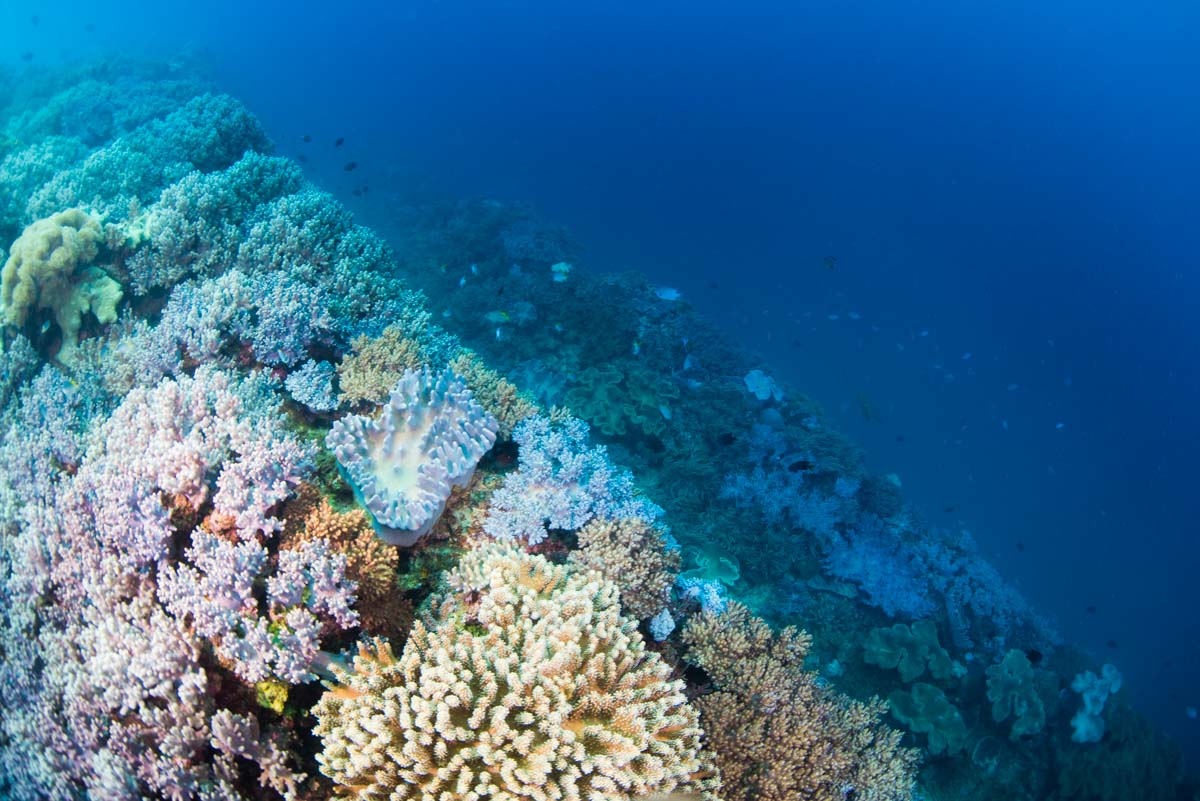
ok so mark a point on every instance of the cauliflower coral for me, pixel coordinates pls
(525, 683)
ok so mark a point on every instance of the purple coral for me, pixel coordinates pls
(560, 483)
(403, 466)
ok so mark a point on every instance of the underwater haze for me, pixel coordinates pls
(965, 234)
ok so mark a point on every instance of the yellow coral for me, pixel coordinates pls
(369, 373)
(496, 394)
(632, 554)
(778, 735)
(526, 683)
(48, 269)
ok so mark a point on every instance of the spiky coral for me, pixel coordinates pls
(369, 373)
(496, 394)
(526, 683)
(633, 555)
(778, 734)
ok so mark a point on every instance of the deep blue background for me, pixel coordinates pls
(1020, 181)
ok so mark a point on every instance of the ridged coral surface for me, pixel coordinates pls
(402, 466)
(526, 683)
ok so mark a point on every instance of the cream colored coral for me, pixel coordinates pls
(632, 553)
(48, 269)
(526, 683)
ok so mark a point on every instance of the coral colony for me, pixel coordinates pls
(268, 531)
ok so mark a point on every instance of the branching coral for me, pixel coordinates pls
(499, 396)
(632, 554)
(369, 373)
(525, 683)
(402, 466)
(778, 734)
(560, 483)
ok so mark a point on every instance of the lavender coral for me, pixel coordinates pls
(526, 682)
(561, 483)
(402, 467)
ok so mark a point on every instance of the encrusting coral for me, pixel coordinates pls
(49, 268)
(778, 734)
(525, 683)
(632, 554)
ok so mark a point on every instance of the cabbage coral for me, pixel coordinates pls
(403, 466)
(526, 683)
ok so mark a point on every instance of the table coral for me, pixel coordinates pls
(525, 682)
(402, 467)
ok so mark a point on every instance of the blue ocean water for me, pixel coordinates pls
(968, 232)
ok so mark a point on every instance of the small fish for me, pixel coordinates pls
(899, 438)
(560, 271)
(834, 317)
(447, 313)
(499, 333)
(1004, 424)
(558, 327)
(966, 357)
(1020, 547)
(35, 19)
(667, 293)
(90, 27)
(357, 193)
(636, 348)
(474, 269)
(351, 166)
(497, 316)
(366, 189)
(687, 362)
(341, 140)
(500, 292)
(950, 510)
(1190, 712)
(854, 315)
(665, 411)
(1091, 609)
(27, 56)
(800, 466)
(713, 285)
(442, 269)
(1013, 387)
(1034, 655)
(306, 138)
(462, 282)
(1059, 426)
(924, 333)
(830, 262)
(725, 439)
(1112, 644)
(303, 159)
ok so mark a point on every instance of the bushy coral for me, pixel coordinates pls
(402, 467)
(560, 483)
(777, 732)
(633, 554)
(526, 682)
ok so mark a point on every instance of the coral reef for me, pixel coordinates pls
(402, 466)
(1013, 690)
(910, 649)
(525, 683)
(633, 554)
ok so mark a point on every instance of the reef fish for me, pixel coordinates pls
(667, 293)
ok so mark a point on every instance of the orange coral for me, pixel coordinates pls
(780, 736)
(632, 554)
(382, 608)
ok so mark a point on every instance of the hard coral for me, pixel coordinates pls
(403, 466)
(526, 683)
(778, 734)
(631, 553)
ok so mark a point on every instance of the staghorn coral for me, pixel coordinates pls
(48, 268)
(632, 554)
(778, 734)
(403, 466)
(526, 683)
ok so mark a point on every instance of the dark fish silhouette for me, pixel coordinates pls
(90, 28)
(366, 189)
(799, 465)
(1035, 656)
(951, 510)
(306, 138)
(357, 193)
(1111, 643)
(1091, 610)
(725, 439)
(35, 19)
(341, 140)
(1021, 547)
(27, 56)
(351, 166)
(899, 438)
(831, 262)
(303, 159)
